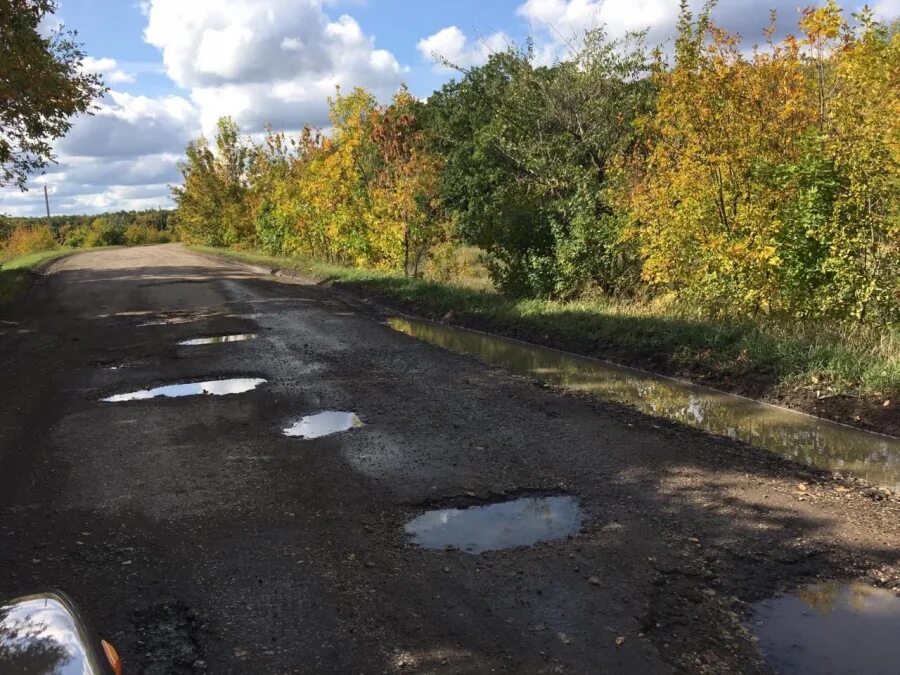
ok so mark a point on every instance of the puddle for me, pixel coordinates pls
(237, 385)
(522, 522)
(323, 424)
(830, 628)
(810, 440)
(218, 340)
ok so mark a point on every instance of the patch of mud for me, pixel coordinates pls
(830, 628)
(324, 424)
(520, 522)
(235, 385)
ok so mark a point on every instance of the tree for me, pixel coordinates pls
(405, 204)
(862, 141)
(41, 87)
(707, 206)
(212, 204)
(528, 152)
(770, 183)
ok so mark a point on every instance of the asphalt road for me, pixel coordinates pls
(203, 540)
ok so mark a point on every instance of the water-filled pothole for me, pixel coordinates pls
(324, 424)
(234, 385)
(217, 340)
(801, 438)
(830, 628)
(521, 522)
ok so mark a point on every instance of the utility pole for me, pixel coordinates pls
(47, 203)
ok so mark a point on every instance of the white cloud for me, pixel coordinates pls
(68, 198)
(123, 157)
(86, 172)
(567, 18)
(558, 23)
(450, 47)
(557, 26)
(887, 10)
(108, 68)
(132, 126)
(266, 61)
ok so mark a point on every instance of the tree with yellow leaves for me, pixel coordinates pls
(770, 182)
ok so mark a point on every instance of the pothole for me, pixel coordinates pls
(234, 385)
(218, 339)
(830, 628)
(324, 424)
(520, 522)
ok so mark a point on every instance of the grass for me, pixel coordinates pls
(16, 274)
(758, 359)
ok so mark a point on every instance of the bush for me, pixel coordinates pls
(104, 233)
(137, 235)
(272, 229)
(74, 236)
(30, 239)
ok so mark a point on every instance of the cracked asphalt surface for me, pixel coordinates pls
(200, 539)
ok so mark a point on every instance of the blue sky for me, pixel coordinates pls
(175, 66)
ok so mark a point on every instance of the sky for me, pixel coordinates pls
(173, 67)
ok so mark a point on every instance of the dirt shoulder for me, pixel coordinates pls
(659, 351)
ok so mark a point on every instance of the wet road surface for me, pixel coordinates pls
(201, 538)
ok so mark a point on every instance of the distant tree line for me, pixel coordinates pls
(728, 183)
(19, 236)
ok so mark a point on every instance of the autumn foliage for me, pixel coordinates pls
(364, 195)
(701, 175)
(771, 183)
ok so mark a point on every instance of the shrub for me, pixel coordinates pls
(30, 239)
(74, 236)
(137, 235)
(105, 233)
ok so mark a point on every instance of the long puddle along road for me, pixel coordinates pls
(809, 440)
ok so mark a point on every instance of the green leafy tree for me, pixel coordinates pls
(529, 151)
(41, 87)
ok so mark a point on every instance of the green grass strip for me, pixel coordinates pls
(17, 274)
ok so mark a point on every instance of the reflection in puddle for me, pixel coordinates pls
(218, 340)
(237, 385)
(830, 628)
(809, 440)
(323, 424)
(521, 522)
